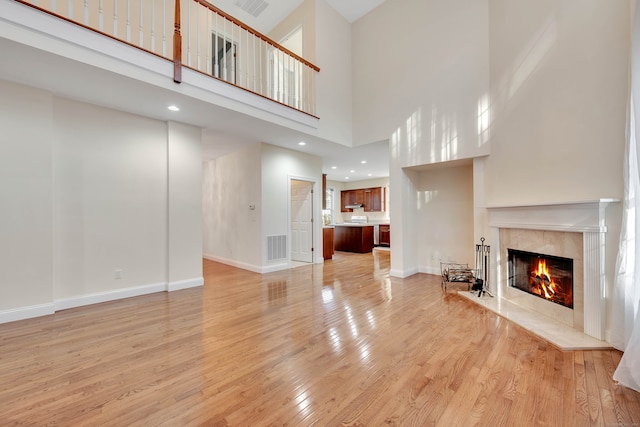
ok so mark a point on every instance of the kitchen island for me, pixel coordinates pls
(353, 237)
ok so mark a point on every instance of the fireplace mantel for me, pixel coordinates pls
(578, 216)
(597, 220)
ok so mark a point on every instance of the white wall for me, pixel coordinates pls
(559, 89)
(327, 44)
(110, 200)
(445, 193)
(231, 231)
(184, 155)
(26, 192)
(422, 67)
(85, 211)
(256, 176)
(279, 166)
(335, 80)
(421, 79)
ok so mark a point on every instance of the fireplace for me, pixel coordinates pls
(545, 276)
(586, 233)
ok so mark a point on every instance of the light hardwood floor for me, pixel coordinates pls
(339, 344)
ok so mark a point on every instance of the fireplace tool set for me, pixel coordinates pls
(481, 283)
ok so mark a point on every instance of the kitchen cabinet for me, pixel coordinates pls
(324, 191)
(353, 238)
(351, 197)
(373, 199)
(384, 239)
(327, 242)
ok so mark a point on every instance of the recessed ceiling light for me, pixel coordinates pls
(363, 162)
(370, 174)
(334, 167)
(173, 108)
(352, 171)
(302, 143)
(346, 177)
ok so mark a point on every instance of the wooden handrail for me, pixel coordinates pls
(254, 32)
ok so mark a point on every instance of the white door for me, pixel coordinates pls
(301, 220)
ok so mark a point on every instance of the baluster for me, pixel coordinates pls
(53, 6)
(261, 82)
(225, 65)
(140, 24)
(236, 66)
(129, 21)
(153, 26)
(255, 58)
(115, 18)
(69, 9)
(164, 28)
(216, 61)
(246, 61)
(198, 35)
(86, 12)
(189, 33)
(289, 100)
(209, 46)
(100, 17)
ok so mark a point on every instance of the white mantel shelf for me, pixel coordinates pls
(563, 203)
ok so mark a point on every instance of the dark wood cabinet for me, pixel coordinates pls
(353, 238)
(327, 242)
(371, 199)
(384, 239)
(351, 197)
(324, 191)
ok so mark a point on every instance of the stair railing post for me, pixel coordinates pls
(177, 45)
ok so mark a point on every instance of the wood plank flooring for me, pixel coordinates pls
(328, 345)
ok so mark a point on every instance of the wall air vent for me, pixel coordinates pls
(252, 7)
(276, 247)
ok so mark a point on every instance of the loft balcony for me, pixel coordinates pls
(187, 46)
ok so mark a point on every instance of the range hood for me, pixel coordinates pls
(354, 206)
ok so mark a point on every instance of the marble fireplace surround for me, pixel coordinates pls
(576, 230)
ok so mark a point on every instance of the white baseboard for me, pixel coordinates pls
(430, 270)
(234, 263)
(403, 273)
(98, 297)
(185, 284)
(22, 313)
(275, 267)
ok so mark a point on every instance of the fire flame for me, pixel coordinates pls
(547, 284)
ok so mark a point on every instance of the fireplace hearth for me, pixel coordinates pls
(546, 276)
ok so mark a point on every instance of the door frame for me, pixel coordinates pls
(314, 216)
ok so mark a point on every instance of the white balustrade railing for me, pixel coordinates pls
(207, 40)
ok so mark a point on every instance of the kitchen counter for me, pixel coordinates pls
(351, 237)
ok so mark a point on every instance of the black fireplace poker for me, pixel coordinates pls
(481, 283)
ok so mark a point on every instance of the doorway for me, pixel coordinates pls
(301, 220)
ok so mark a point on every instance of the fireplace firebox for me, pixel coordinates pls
(546, 276)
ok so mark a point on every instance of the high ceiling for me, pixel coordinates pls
(264, 15)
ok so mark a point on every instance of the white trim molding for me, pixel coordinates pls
(98, 297)
(185, 284)
(22, 313)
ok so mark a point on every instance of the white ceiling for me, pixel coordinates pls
(277, 10)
